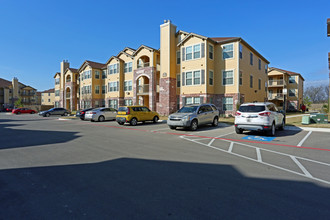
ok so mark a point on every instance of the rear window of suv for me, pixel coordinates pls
(122, 109)
(252, 108)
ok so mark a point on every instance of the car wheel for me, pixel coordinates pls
(238, 131)
(282, 125)
(18, 113)
(172, 127)
(215, 122)
(101, 118)
(47, 114)
(65, 114)
(155, 119)
(32, 112)
(194, 125)
(271, 132)
(120, 123)
(133, 121)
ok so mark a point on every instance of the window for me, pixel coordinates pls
(266, 68)
(197, 77)
(113, 104)
(188, 78)
(193, 100)
(57, 92)
(97, 89)
(292, 92)
(259, 64)
(104, 89)
(227, 103)
(227, 51)
(128, 67)
(104, 74)
(228, 77)
(240, 78)
(197, 51)
(251, 58)
(113, 69)
(178, 57)
(113, 86)
(189, 53)
(178, 81)
(292, 79)
(259, 84)
(128, 85)
(240, 51)
(57, 81)
(128, 102)
(103, 103)
(211, 77)
(96, 104)
(97, 74)
(48, 100)
(211, 51)
(251, 81)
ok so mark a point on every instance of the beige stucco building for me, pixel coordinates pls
(48, 97)
(11, 91)
(188, 68)
(279, 80)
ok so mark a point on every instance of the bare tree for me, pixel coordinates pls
(316, 93)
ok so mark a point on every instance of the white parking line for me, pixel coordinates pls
(159, 129)
(304, 139)
(215, 137)
(258, 154)
(231, 147)
(301, 166)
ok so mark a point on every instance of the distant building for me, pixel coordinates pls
(48, 97)
(328, 27)
(278, 80)
(11, 91)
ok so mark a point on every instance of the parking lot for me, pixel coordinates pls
(52, 168)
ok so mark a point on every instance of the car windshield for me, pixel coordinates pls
(252, 108)
(188, 109)
(122, 109)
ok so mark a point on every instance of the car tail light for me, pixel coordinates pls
(82, 112)
(266, 126)
(267, 114)
(127, 112)
(237, 114)
(93, 113)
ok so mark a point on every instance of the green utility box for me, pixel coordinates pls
(306, 120)
(319, 118)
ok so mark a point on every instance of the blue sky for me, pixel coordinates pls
(36, 35)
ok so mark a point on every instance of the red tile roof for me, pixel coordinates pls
(49, 91)
(73, 70)
(4, 83)
(95, 65)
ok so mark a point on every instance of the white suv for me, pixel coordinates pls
(259, 116)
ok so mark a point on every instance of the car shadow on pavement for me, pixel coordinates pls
(14, 138)
(152, 189)
(278, 133)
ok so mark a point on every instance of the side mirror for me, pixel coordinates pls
(199, 111)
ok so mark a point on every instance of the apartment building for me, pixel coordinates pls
(188, 68)
(11, 91)
(48, 97)
(280, 80)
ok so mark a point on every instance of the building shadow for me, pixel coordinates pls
(151, 189)
(13, 138)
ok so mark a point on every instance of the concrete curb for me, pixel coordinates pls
(293, 128)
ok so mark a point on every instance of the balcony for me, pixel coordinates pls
(275, 96)
(142, 65)
(28, 93)
(143, 89)
(274, 83)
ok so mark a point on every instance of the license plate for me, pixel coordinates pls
(248, 120)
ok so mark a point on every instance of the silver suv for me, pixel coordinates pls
(192, 116)
(260, 116)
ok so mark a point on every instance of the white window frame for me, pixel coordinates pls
(193, 77)
(211, 78)
(193, 52)
(211, 51)
(222, 46)
(223, 77)
(113, 69)
(225, 103)
(97, 73)
(97, 89)
(293, 92)
(128, 86)
(128, 67)
(294, 77)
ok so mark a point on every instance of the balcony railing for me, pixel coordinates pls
(142, 89)
(141, 65)
(275, 82)
(278, 96)
(28, 93)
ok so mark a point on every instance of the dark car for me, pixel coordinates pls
(23, 111)
(81, 113)
(54, 111)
